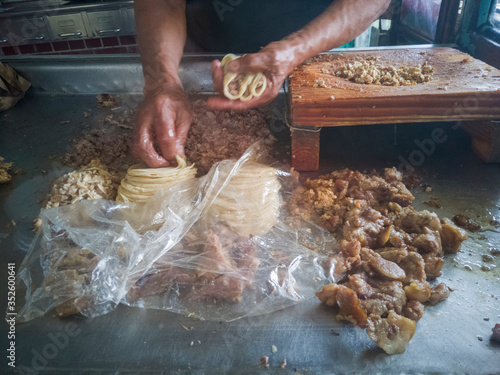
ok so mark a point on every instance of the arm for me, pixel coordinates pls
(165, 118)
(340, 23)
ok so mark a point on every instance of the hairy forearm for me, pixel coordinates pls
(161, 35)
(340, 23)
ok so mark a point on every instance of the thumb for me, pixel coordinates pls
(252, 63)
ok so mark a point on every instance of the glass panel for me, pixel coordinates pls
(421, 16)
(495, 17)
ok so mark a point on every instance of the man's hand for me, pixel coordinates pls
(162, 124)
(273, 60)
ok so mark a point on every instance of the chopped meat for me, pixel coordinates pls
(215, 259)
(392, 333)
(495, 336)
(347, 300)
(377, 296)
(217, 135)
(157, 282)
(429, 242)
(382, 267)
(412, 181)
(346, 259)
(107, 100)
(93, 181)
(414, 310)
(412, 221)
(224, 287)
(418, 290)
(464, 221)
(371, 71)
(111, 149)
(363, 226)
(433, 266)
(401, 248)
(451, 236)
(438, 294)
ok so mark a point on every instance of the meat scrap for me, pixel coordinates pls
(389, 251)
(221, 269)
(4, 174)
(392, 333)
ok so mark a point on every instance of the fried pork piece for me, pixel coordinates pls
(328, 199)
(68, 276)
(398, 250)
(346, 259)
(451, 236)
(392, 333)
(230, 283)
(414, 310)
(157, 282)
(216, 135)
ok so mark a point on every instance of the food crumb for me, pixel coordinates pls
(283, 365)
(191, 343)
(487, 258)
(486, 319)
(485, 268)
(427, 188)
(274, 349)
(480, 338)
(495, 252)
(468, 268)
(264, 360)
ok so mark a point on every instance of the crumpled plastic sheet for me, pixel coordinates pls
(97, 254)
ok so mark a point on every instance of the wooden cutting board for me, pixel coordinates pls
(462, 88)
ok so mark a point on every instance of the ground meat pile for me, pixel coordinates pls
(370, 71)
(216, 135)
(111, 149)
(389, 251)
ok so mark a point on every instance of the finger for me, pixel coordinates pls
(252, 63)
(166, 133)
(143, 146)
(217, 76)
(182, 127)
(218, 102)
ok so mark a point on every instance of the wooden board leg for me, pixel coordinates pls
(305, 148)
(485, 139)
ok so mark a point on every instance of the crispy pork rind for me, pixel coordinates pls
(217, 247)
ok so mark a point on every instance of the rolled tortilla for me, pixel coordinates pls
(241, 86)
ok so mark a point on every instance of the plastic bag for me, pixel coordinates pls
(173, 253)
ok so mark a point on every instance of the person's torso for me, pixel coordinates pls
(244, 26)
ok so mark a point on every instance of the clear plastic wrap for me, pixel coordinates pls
(177, 253)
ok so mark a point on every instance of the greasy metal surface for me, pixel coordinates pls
(129, 340)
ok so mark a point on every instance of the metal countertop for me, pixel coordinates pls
(34, 135)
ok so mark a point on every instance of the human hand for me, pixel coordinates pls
(162, 124)
(273, 60)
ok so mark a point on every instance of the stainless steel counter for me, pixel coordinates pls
(451, 337)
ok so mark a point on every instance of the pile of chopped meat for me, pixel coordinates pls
(389, 251)
(217, 135)
(111, 149)
(371, 71)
